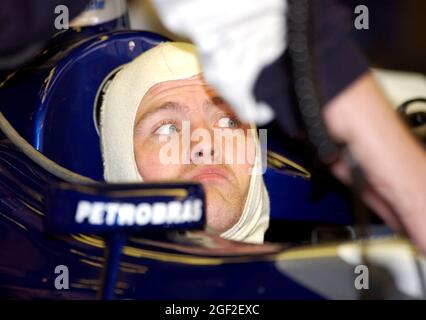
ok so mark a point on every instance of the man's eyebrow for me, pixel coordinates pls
(166, 106)
(216, 100)
(219, 102)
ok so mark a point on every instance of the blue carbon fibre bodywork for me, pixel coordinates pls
(29, 255)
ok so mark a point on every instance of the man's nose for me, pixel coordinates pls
(203, 148)
(202, 156)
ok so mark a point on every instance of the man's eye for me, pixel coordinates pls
(167, 129)
(227, 122)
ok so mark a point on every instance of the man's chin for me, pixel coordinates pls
(222, 212)
(219, 195)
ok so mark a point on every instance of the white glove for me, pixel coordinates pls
(236, 39)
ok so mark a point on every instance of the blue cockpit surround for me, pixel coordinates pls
(65, 116)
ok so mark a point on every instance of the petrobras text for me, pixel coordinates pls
(129, 214)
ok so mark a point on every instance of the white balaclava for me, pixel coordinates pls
(165, 62)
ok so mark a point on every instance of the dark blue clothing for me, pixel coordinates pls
(336, 59)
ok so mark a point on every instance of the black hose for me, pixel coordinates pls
(300, 17)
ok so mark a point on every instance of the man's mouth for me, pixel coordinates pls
(209, 174)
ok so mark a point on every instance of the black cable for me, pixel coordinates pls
(304, 82)
(300, 25)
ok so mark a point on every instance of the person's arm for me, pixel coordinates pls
(392, 160)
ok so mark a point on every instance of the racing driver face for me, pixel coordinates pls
(175, 138)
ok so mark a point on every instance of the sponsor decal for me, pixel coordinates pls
(129, 214)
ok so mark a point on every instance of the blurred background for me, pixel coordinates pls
(397, 35)
(395, 40)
